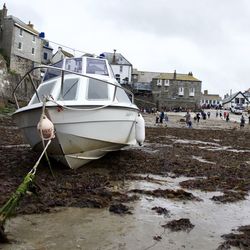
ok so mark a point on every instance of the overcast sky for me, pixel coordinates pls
(211, 38)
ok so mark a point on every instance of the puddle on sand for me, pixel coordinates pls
(16, 146)
(75, 228)
(195, 142)
(200, 159)
(226, 148)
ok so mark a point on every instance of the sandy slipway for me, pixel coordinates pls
(216, 154)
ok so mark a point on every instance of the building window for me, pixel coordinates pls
(33, 51)
(34, 38)
(181, 91)
(20, 32)
(45, 56)
(191, 91)
(158, 82)
(166, 82)
(20, 45)
(120, 68)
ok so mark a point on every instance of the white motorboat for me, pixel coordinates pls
(91, 112)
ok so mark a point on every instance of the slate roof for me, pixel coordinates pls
(22, 24)
(67, 54)
(180, 77)
(119, 59)
(228, 99)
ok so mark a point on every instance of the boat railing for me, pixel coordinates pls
(63, 71)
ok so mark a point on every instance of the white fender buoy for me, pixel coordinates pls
(46, 128)
(139, 129)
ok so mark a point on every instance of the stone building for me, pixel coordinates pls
(20, 43)
(176, 91)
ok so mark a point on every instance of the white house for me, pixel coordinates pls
(59, 55)
(121, 67)
(235, 100)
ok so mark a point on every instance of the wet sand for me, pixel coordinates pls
(72, 212)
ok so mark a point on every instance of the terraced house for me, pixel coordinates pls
(174, 91)
(21, 44)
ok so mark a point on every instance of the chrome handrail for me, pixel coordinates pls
(62, 76)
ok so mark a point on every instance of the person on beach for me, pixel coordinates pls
(188, 119)
(161, 116)
(242, 121)
(220, 115)
(198, 117)
(157, 117)
(227, 117)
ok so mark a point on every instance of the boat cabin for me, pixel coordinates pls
(81, 81)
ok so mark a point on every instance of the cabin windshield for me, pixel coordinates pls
(74, 64)
(96, 66)
(52, 73)
(71, 64)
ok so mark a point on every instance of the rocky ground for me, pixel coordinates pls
(218, 154)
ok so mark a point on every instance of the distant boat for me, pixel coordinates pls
(91, 112)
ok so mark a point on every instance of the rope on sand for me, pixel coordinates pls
(7, 210)
(46, 130)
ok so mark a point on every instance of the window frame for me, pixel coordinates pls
(20, 46)
(21, 32)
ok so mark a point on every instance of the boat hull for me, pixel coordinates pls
(81, 135)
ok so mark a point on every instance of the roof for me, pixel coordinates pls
(23, 25)
(211, 96)
(231, 97)
(177, 76)
(119, 58)
(67, 54)
(46, 44)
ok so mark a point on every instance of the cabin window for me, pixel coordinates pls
(74, 64)
(96, 66)
(97, 90)
(70, 89)
(43, 90)
(122, 96)
(51, 73)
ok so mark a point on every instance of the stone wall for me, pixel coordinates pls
(9, 80)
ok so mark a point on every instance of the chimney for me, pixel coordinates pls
(231, 92)
(175, 74)
(205, 92)
(114, 59)
(30, 25)
(4, 11)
